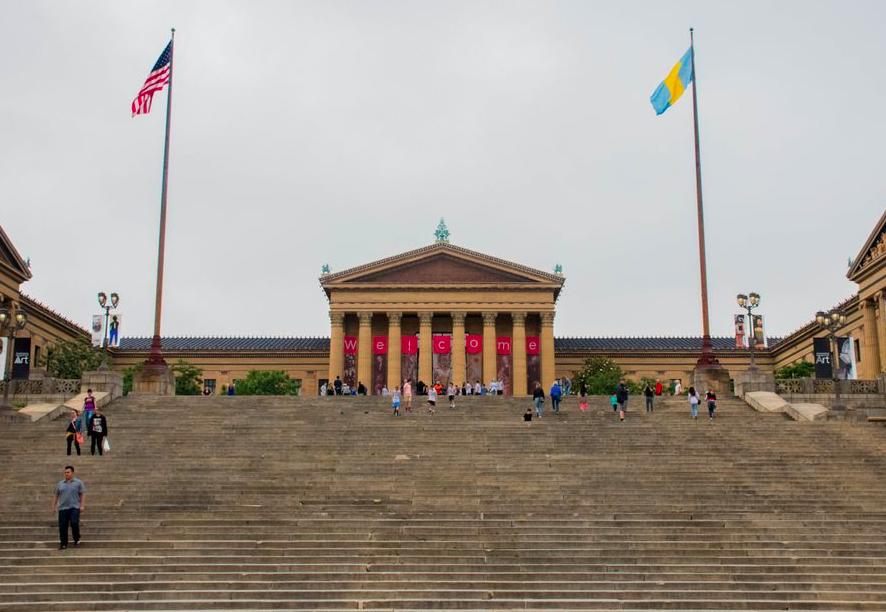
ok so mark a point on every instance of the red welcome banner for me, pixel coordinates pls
(409, 345)
(442, 345)
(350, 343)
(503, 345)
(533, 345)
(474, 343)
(379, 345)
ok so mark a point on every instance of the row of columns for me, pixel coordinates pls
(425, 352)
(873, 347)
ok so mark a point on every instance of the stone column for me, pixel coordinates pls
(489, 346)
(458, 347)
(394, 348)
(364, 350)
(881, 329)
(548, 368)
(425, 350)
(336, 348)
(870, 358)
(518, 350)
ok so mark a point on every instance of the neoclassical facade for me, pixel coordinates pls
(442, 313)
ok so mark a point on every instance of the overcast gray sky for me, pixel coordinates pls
(330, 131)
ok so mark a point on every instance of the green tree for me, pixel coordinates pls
(128, 374)
(188, 378)
(70, 358)
(267, 382)
(600, 376)
(800, 369)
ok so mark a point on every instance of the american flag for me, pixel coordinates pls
(159, 77)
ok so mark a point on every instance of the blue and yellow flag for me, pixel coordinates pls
(674, 85)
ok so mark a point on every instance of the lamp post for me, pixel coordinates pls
(12, 320)
(749, 302)
(103, 302)
(830, 322)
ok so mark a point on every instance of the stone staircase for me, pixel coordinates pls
(332, 504)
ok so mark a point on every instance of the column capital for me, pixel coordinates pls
(519, 317)
(865, 304)
(425, 318)
(394, 318)
(365, 318)
(489, 319)
(458, 315)
(547, 319)
(336, 318)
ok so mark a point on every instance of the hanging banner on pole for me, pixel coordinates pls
(739, 331)
(21, 358)
(846, 358)
(98, 330)
(114, 329)
(759, 334)
(822, 349)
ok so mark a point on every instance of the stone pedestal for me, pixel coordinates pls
(154, 380)
(717, 379)
(103, 380)
(754, 380)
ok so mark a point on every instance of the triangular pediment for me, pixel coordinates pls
(11, 261)
(438, 265)
(872, 255)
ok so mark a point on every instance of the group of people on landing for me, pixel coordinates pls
(93, 421)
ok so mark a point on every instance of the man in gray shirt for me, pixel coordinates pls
(69, 500)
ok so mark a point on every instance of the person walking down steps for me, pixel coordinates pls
(649, 393)
(98, 429)
(69, 501)
(73, 432)
(432, 399)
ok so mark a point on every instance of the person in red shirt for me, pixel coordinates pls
(658, 387)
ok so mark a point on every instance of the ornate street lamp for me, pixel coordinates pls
(11, 321)
(103, 302)
(749, 302)
(831, 322)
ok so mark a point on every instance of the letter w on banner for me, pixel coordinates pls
(503, 345)
(350, 343)
(442, 345)
(379, 345)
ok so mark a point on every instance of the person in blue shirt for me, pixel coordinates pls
(556, 394)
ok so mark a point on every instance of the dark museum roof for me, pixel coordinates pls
(322, 344)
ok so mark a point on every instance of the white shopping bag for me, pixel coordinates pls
(106, 444)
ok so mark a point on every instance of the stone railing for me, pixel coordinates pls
(45, 386)
(822, 385)
(864, 386)
(826, 386)
(789, 385)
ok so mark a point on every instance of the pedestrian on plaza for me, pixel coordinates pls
(711, 398)
(678, 387)
(231, 390)
(614, 401)
(421, 388)
(345, 389)
(649, 393)
(527, 416)
(88, 409)
(477, 387)
(538, 396)
(583, 398)
(337, 385)
(432, 399)
(452, 392)
(621, 395)
(438, 387)
(407, 394)
(323, 388)
(69, 500)
(73, 432)
(395, 401)
(384, 391)
(556, 395)
(361, 388)
(98, 429)
(567, 386)
(465, 388)
(693, 402)
(483, 390)
(658, 388)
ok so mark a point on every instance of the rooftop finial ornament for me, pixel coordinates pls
(325, 269)
(558, 269)
(442, 234)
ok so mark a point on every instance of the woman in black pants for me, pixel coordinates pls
(73, 431)
(98, 429)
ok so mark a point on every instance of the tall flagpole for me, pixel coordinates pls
(156, 356)
(707, 359)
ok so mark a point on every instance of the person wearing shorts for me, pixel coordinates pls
(395, 401)
(432, 399)
(452, 391)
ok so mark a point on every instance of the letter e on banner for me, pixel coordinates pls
(379, 345)
(502, 345)
(474, 344)
(350, 343)
(442, 345)
(533, 345)
(409, 345)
